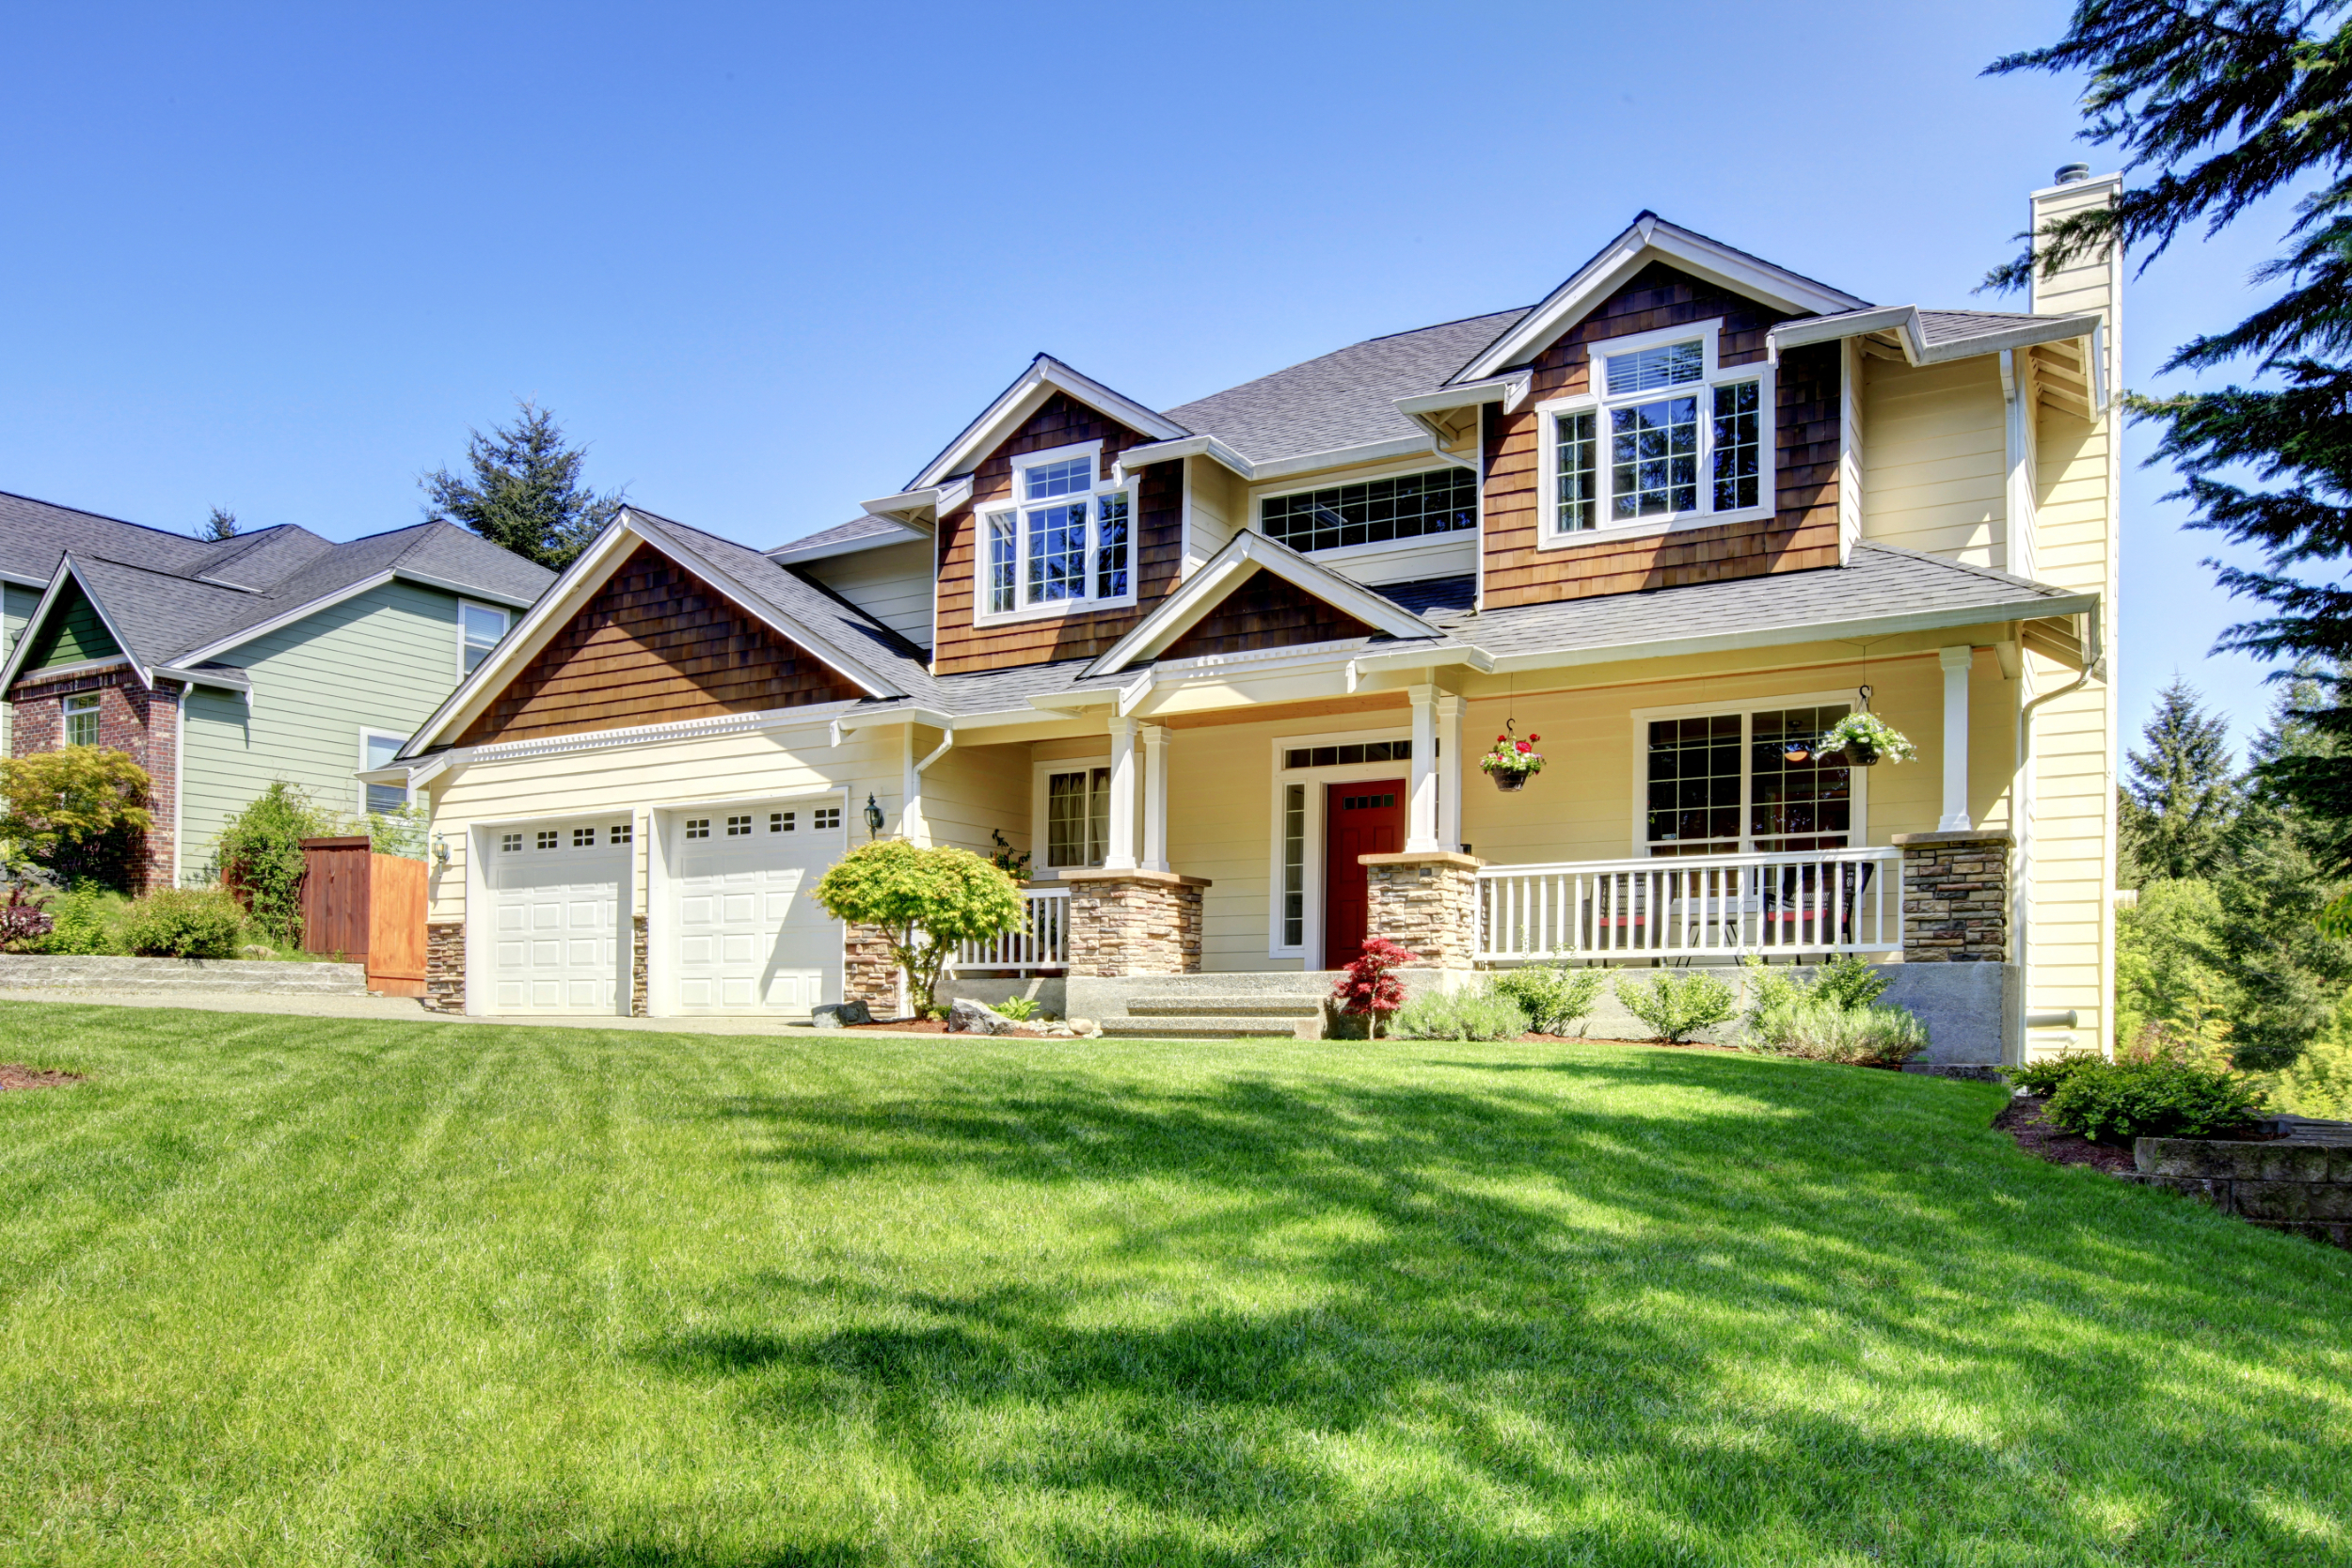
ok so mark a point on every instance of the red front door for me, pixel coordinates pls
(1358, 820)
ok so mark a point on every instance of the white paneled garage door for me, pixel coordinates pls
(750, 939)
(555, 906)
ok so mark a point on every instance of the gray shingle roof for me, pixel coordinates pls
(868, 527)
(1344, 398)
(1949, 327)
(169, 594)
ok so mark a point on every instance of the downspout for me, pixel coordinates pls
(2021, 894)
(180, 780)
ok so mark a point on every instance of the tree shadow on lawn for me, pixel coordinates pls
(1654, 1306)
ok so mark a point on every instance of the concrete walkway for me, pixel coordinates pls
(404, 1010)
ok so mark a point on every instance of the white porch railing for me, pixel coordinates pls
(1041, 942)
(1816, 901)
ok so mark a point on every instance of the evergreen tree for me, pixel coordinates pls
(2229, 101)
(221, 524)
(2289, 975)
(2180, 795)
(525, 491)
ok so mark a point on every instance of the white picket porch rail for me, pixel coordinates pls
(1818, 901)
(1040, 943)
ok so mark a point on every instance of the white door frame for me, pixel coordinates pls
(1353, 772)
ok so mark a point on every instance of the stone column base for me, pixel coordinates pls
(1133, 923)
(637, 967)
(1955, 896)
(868, 972)
(1425, 901)
(445, 966)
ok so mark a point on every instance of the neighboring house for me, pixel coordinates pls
(219, 666)
(1201, 663)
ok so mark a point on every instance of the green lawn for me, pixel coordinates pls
(293, 1291)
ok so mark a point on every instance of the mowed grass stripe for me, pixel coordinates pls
(566, 1296)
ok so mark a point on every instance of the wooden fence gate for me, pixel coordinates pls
(367, 906)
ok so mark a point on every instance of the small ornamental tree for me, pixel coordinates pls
(261, 858)
(71, 809)
(1367, 989)
(924, 902)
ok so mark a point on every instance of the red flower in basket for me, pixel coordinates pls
(1512, 762)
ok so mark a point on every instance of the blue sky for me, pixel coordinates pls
(765, 260)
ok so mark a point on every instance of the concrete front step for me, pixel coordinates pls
(1225, 1007)
(159, 977)
(1164, 1027)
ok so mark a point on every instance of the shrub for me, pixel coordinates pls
(925, 901)
(84, 921)
(74, 809)
(261, 858)
(1677, 1009)
(1479, 1013)
(1851, 980)
(2118, 1101)
(184, 923)
(2045, 1075)
(1554, 997)
(23, 921)
(1018, 1009)
(1366, 988)
(1818, 1030)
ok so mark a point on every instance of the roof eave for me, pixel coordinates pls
(1045, 376)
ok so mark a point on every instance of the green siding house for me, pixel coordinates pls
(219, 666)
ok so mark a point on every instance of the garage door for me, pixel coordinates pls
(555, 892)
(750, 937)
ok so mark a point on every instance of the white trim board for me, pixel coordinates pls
(1045, 377)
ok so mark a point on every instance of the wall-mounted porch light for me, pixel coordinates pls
(873, 819)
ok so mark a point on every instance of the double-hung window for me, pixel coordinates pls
(480, 627)
(1664, 432)
(1066, 539)
(81, 719)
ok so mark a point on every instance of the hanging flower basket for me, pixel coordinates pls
(1512, 763)
(1866, 738)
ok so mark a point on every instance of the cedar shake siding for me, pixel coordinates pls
(656, 644)
(1264, 612)
(1801, 535)
(1157, 541)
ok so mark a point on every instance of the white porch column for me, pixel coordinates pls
(1121, 855)
(1421, 820)
(911, 824)
(1155, 798)
(1449, 762)
(1956, 663)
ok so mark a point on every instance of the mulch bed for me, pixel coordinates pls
(938, 1026)
(2023, 1120)
(16, 1075)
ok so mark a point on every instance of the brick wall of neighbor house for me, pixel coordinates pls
(133, 720)
(656, 644)
(1265, 611)
(1060, 422)
(445, 966)
(1801, 533)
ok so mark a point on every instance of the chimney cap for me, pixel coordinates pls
(2069, 174)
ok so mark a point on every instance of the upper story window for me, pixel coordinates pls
(1067, 542)
(1376, 511)
(81, 719)
(480, 627)
(1664, 434)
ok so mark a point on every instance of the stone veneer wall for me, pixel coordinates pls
(868, 972)
(141, 724)
(637, 967)
(2301, 1184)
(445, 966)
(1426, 902)
(1955, 896)
(1135, 923)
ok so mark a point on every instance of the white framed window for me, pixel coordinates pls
(1072, 814)
(825, 819)
(1664, 435)
(377, 747)
(478, 628)
(1718, 779)
(81, 719)
(1398, 509)
(1063, 540)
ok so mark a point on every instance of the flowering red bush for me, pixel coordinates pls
(1366, 987)
(21, 921)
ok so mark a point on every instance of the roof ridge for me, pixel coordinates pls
(106, 517)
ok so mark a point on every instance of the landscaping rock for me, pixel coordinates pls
(838, 1015)
(1086, 1029)
(965, 1016)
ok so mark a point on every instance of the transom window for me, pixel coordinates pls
(1670, 435)
(1067, 541)
(1724, 783)
(1077, 817)
(1376, 511)
(1347, 755)
(81, 719)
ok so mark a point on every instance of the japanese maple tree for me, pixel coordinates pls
(1367, 986)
